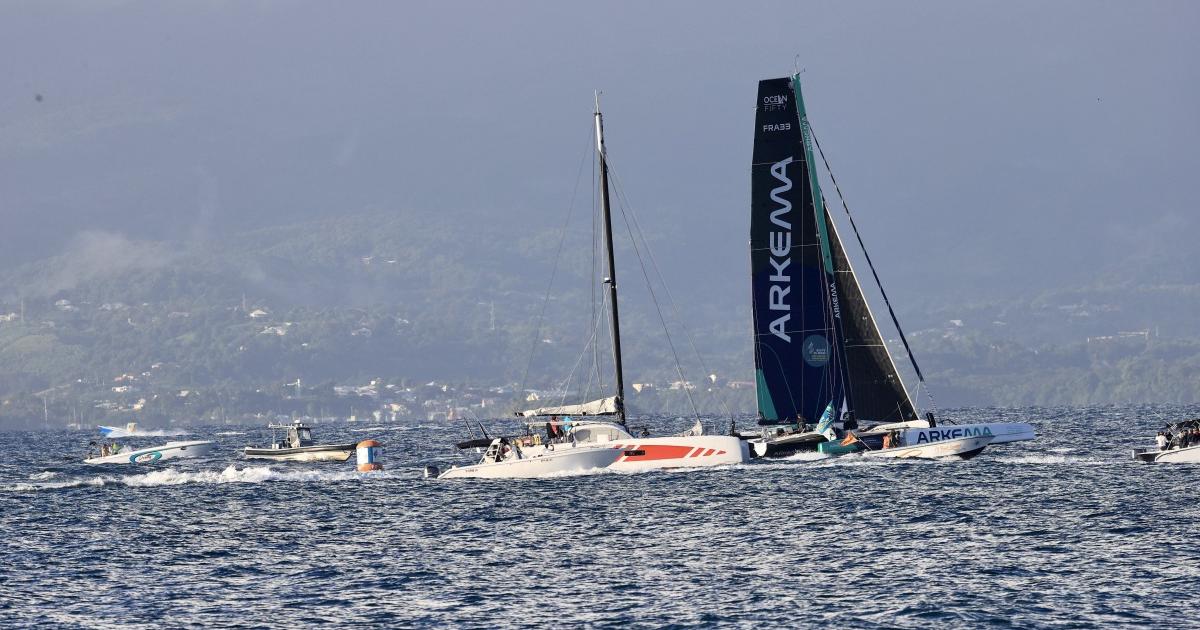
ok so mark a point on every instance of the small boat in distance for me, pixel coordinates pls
(130, 429)
(297, 445)
(1178, 443)
(120, 454)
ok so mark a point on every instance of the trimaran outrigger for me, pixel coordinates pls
(821, 364)
(594, 435)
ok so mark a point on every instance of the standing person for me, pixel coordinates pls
(1161, 441)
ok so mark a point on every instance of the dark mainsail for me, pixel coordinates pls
(796, 357)
(876, 391)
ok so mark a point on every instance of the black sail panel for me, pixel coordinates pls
(793, 340)
(876, 390)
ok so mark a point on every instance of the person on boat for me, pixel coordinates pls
(1161, 441)
(848, 421)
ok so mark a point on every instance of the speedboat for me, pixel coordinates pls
(171, 450)
(508, 459)
(128, 430)
(296, 444)
(1178, 443)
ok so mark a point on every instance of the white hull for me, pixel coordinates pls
(564, 460)
(170, 450)
(689, 450)
(303, 454)
(961, 447)
(1000, 432)
(680, 452)
(1189, 455)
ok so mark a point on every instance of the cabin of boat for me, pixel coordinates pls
(296, 443)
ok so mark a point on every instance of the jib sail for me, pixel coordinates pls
(875, 389)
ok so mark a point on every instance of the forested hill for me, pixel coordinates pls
(418, 297)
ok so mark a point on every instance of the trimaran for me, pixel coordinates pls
(821, 364)
(593, 435)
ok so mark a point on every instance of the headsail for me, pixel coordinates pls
(877, 393)
(794, 337)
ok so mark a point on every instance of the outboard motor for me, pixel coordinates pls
(431, 472)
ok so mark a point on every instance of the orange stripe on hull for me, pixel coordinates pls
(657, 451)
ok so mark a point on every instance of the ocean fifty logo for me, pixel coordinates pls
(776, 101)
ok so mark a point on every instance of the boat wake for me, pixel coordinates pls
(230, 433)
(174, 477)
(1047, 459)
(122, 433)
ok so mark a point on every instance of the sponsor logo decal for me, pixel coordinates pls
(781, 252)
(926, 436)
(816, 350)
(146, 458)
(776, 101)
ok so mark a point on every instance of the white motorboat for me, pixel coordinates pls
(507, 459)
(1188, 455)
(296, 444)
(170, 450)
(1178, 443)
(130, 429)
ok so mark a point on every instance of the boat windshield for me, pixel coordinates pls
(599, 433)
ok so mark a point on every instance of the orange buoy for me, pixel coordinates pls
(370, 453)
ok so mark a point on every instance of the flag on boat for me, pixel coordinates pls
(825, 424)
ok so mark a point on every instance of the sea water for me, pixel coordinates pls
(1066, 531)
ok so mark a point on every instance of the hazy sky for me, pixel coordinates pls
(981, 144)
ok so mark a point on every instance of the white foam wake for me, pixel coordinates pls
(174, 477)
(233, 474)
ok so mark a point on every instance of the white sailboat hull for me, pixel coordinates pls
(565, 460)
(639, 454)
(962, 447)
(170, 450)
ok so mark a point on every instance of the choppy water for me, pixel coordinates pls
(1062, 532)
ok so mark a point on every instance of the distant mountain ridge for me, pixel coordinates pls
(414, 295)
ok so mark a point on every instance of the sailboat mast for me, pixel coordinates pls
(611, 269)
